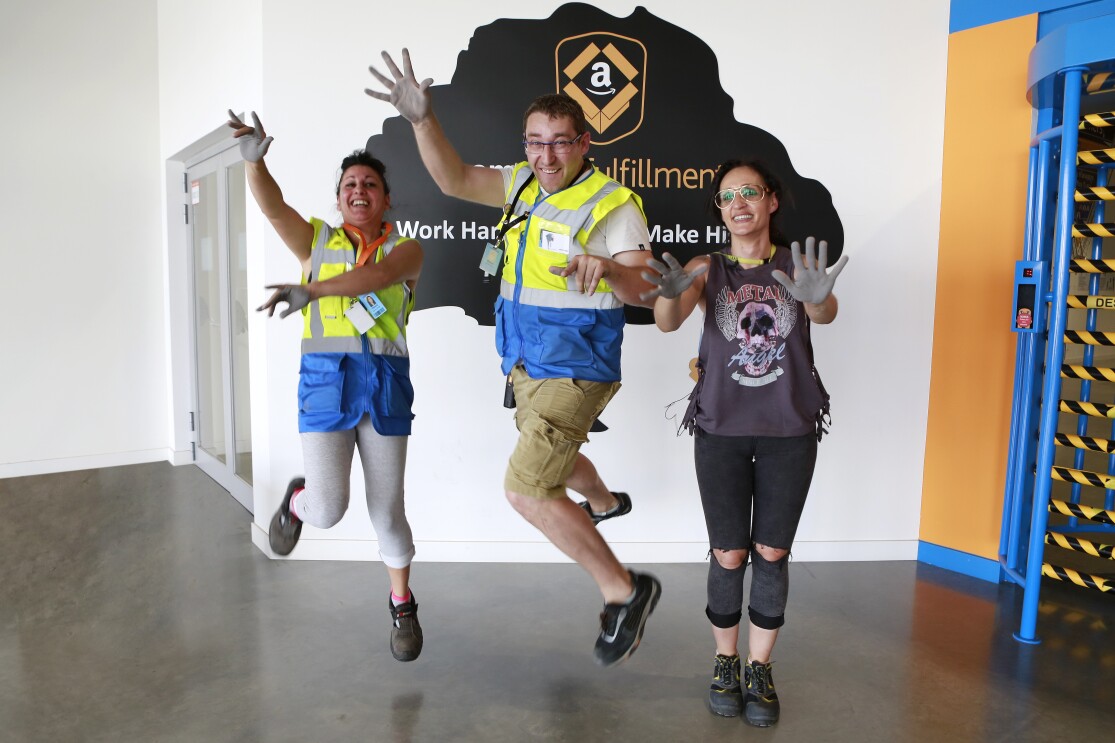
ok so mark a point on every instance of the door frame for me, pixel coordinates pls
(179, 308)
(218, 165)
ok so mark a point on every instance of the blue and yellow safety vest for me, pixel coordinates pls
(545, 322)
(346, 374)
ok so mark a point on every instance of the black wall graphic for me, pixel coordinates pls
(666, 122)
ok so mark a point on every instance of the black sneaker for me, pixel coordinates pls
(285, 528)
(622, 624)
(406, 633)
(725, 697)
(622, 508)
(761, 705)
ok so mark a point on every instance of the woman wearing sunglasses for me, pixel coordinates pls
(756, 414)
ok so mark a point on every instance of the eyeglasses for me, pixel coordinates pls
(559, 146)
(748, 192)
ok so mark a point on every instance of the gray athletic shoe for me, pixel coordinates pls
(406, 633)
(285, 528)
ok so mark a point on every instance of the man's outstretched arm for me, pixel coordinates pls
(413, 101)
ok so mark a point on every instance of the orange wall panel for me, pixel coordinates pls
(983, 209)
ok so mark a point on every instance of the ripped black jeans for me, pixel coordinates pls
(753, 490)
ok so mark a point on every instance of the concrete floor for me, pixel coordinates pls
(134, 608)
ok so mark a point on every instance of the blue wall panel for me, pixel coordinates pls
(965, 14)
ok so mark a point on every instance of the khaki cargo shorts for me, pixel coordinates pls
(553, 417)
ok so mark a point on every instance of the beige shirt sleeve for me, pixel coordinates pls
(623, 229)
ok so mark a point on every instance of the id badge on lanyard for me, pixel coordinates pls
(489, 264)
(493, 252)
(364, 310)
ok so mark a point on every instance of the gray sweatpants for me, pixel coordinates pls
(328, 460)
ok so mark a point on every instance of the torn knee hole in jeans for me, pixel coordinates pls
(764, 551)
(728, 556)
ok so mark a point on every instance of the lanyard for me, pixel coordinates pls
(366, 248)
(506, 225)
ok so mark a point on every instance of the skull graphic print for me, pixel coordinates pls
(760, 318)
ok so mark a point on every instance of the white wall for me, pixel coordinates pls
(83, 376)
(859, 107)
(210, 59)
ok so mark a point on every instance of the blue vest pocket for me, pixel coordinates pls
(564, 336)
(393, 397)
(320, 381)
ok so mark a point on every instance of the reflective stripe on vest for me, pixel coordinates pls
(326, 329)
(563, 299)
(572, 212)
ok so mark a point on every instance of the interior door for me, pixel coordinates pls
(219, 291)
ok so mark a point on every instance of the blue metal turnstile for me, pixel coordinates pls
(1060, 483)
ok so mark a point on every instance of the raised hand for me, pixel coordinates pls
(811, 283)
(253, 140)
(589, 271)
(295, 295)
(671, 279)
(405, 93)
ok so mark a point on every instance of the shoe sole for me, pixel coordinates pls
(642, 626)
(760, 723)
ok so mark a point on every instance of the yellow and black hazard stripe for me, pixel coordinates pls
(1090, 302)
(1079, 510)
(1094, 373)
(1084, 477)
(1094, 409)
(1088, 265)
(1100, 120)
(1100, 82)
(1095, 157)
(1093, 229)
(1094, 193)
(1104, 446)
(1081, 579)
(1076, 544)
(1089, 338)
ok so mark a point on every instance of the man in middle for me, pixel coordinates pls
(576, 243)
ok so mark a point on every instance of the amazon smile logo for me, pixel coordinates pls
(606, 74)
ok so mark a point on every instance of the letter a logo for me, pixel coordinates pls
(606, 74)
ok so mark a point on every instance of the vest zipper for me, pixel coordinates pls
(367, 369)
(586, 165)
(518, 289)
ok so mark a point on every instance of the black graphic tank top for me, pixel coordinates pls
(756, 359)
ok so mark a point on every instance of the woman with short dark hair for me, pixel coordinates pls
(354, 388)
